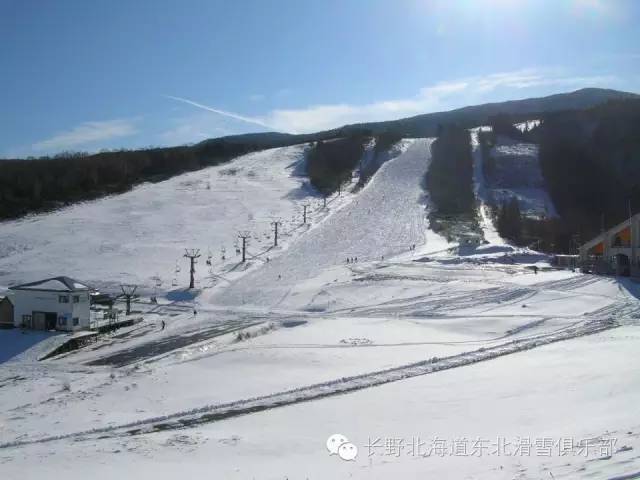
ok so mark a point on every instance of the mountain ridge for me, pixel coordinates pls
(468, 116)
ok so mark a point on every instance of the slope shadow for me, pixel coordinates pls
(631, 285)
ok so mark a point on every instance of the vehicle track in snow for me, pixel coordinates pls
(217, 412)
(497, 293)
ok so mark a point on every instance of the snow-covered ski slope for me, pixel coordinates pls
(386, 218)
(137, 235)
(480, 190)
(458, 343)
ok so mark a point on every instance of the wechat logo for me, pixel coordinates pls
(338, 444)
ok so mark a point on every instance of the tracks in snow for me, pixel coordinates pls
(212, 413)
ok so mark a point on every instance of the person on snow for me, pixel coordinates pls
(163, 325)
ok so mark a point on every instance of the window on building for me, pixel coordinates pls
(63, 298)
(26, 320)
(76, 299)
(76, 321)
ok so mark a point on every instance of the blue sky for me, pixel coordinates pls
(86, 75)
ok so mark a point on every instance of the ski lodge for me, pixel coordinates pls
(6, 312)
(614, 251)
(58, 303)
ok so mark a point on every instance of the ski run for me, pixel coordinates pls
(362, 322)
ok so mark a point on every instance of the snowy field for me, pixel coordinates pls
(434, 361)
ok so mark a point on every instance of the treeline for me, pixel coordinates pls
(47, 183)
(330, 163)
(449, 179)
(591, 162)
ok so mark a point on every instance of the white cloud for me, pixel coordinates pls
(87, 133)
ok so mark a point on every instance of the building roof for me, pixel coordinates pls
(54, 284)
(602, 236)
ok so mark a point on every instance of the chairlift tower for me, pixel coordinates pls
(244, 236)
(128, 291)
(304, 213)
(192, 254)
(275, 225)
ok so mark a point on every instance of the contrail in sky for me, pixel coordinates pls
(242, 118)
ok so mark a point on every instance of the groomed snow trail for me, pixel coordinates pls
(489, 230)
(385, 218)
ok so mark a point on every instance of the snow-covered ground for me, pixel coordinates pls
(406, 352)
(454, 316)
(576, 393)
(527, 125)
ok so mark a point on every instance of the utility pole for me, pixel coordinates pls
(192, 254)
(275, 224)
(245, 235)
(631, 237)
(128, 291)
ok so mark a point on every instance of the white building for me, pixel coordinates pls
(59, 303)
